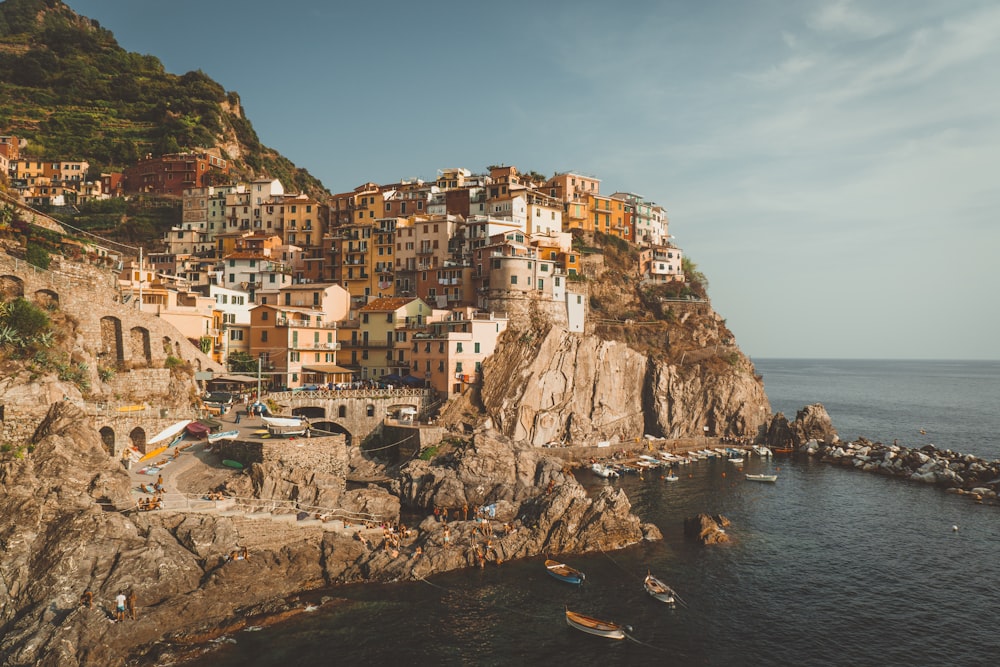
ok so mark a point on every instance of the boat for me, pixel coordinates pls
(564, 572)
(670, 478)
(197, 429)
(225, 435)
(763, 450)
(286, 425)
(595, 626)
(170, 432)
(736, 459)
(762, 478)
(603, 470)
(660, 590)
(283, 421)
(230, 463)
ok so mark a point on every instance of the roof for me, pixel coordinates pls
(387, 303)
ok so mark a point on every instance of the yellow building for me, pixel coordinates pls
(382, 340)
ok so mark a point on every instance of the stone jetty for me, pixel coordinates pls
(958, 473)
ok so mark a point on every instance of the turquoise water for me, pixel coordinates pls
(828, 566)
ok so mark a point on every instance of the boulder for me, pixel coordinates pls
(707, 529)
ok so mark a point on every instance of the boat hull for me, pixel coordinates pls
(594, 626)
(564, 572)
(659, 590)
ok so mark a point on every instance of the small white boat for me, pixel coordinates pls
(224, 435)
(670, 478)
(736, 459)
(763, 450)
(603, 471)
(762, 478)
(660, 590)
(170, 432)
(595, 626)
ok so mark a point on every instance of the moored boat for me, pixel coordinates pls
(660, 590)
(595, 626)
(564, 572)
(225, 435)
(603, 470)
(170, 432)
(762, 478)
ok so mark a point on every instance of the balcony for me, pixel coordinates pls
(312, 345)
(304, 324)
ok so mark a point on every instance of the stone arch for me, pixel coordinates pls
(369, 410)
(108, 439)
(310, 412)
(47, 299)
(11, 287)
(140, 346)
(342, 411)
(138, 438)
(111, 352)
(323, 428)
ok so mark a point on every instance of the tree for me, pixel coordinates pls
(37, 256)
(241, 362)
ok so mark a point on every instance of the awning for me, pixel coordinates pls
(234, 378)
(329, 369)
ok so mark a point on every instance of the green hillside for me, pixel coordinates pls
(74, 93)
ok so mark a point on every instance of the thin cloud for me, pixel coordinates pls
(843, 17)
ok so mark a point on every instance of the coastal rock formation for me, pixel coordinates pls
(560, 386)
(707, 529)
(68, 525)
(811, 423)
(962, 473)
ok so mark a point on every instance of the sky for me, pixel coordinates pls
(830, 165)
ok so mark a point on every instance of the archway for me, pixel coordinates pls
(140, 348)
(112, 352)
(46, 299)
(321, 428)
(11, 287)
(108, 439)
(310, 412)
(138, 438)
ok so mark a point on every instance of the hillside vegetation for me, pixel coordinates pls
(74, 93)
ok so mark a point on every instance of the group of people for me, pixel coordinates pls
(124, 604)
(148, 504)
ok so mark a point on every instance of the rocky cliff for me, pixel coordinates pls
(559, 386)
(67, 525)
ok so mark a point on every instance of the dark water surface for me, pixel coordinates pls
(827, 567)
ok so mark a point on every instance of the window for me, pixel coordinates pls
(370, 410)
(513, 280)
(458, 348)
(476, 348)
(235, 334)
(264, 315)
(458, 366)
(342, 411)
(263, 336)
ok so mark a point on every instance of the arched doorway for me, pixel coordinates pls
(310, 412)
(138, 438)
(322, 428)
(108, 439)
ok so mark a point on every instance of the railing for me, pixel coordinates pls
(280, 506)
(351, 393)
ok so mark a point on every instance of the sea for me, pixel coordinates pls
(828, 566)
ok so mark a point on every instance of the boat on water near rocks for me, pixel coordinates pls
(595, 626)
(604, 471)
(762, 478)
(564, 572)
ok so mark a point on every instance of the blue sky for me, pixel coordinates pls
(831, 165)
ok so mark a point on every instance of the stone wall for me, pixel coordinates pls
(322, 455)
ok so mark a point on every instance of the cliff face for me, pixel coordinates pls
(579, 389)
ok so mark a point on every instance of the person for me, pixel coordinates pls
(120, 607)
(238, 413)
(465, 511)
(131, 604)
(159, 483)
(245, 554)
(87, 599)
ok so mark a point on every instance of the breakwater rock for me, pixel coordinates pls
(960, 473)
(707, 528)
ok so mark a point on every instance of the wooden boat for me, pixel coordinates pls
(285, 425)
(232, 464)
(762, 478)
(169, 432)
(736, 459)
(225, 435)
(595, 626)
(564, 572)
(659, 590)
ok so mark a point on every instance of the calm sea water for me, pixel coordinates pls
(827, 567)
